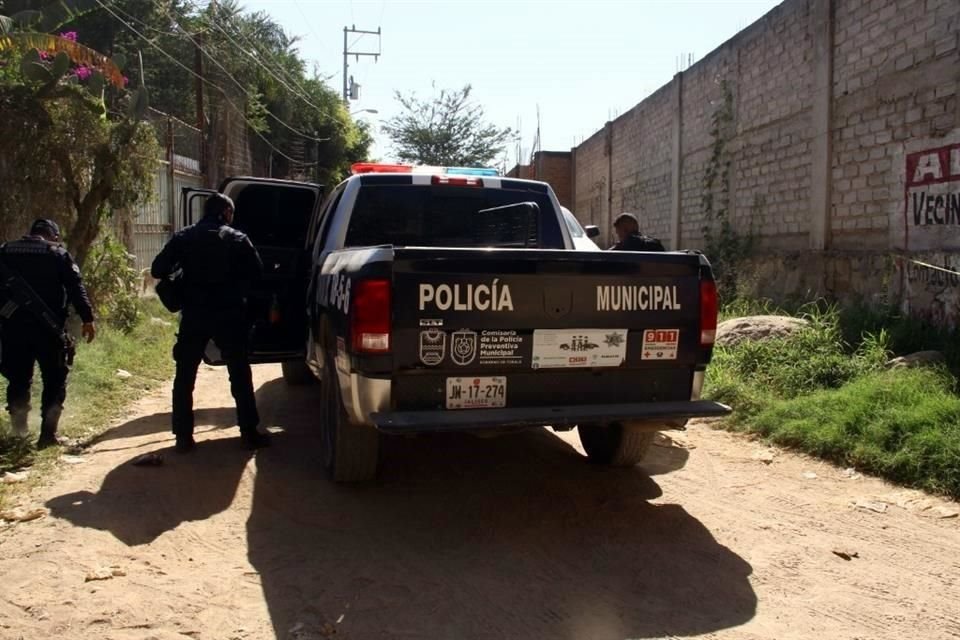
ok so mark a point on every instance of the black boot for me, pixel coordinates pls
(254, 439)
(185, 443)
(49, 424)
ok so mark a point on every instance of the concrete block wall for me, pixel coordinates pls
(641, 149)
(831, 102)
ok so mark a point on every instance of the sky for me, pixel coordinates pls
(580, 63)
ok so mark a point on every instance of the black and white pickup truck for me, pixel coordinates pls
(451, 300)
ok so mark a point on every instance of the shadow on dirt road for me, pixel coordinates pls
(512, 537)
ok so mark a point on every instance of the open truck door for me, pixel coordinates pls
(275, 215)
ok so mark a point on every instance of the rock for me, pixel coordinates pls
(14, 478)
(944, 512)
(105, 573)
(809, 475)
(123, 373)
(160, 321)
(22, 515)
(917, 359)
(151, 459)
(72, 459)
(846, 555)
(851, 474)
(871, 505)
(736, 330)
(765, 456)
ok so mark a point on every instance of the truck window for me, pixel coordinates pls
(446, 216)
(274, 217)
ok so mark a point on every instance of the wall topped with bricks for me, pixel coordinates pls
(826, 127)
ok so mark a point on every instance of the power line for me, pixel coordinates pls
(215, 86)
(240, 86)
(278, 68)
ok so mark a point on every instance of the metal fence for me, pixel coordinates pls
(156, 220)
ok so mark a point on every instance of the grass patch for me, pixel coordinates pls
(825, 391)
(903, 425)
(95, 393)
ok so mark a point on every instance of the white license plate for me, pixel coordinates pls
(476, 392)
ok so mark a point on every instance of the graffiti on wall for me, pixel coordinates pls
(932, 199)
(931, 287)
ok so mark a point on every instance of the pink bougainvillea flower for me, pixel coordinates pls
(44, 55)
(84, 72)
(126, 80)
(69, 35)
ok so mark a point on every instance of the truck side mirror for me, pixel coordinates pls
(592, 231)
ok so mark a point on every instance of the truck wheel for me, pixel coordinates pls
(616, 445)
(350, 451)
(296, 373)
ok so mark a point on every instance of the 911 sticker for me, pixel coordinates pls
(660, 344)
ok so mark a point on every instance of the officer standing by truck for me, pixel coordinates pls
(629, 238)
(38, 278)
(218, 264)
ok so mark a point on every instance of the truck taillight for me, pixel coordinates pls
(709, 308)
(370, 316)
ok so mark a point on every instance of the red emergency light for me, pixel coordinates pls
(377, 167)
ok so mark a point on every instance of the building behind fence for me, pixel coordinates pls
(154, 221)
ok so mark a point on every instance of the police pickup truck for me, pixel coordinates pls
(445, 299)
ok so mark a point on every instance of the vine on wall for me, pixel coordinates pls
(724, 246)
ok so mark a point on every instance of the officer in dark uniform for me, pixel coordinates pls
(46, 267)
(218, 264)
(627, 228)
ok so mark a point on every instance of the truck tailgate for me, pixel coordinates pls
(476, 310)
(539, 328)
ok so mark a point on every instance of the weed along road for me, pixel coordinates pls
(516, 537)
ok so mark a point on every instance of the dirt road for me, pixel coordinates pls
(514, 537)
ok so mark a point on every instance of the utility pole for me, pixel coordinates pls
(348, 91)
(198, 84)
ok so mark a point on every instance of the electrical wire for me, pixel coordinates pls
(239, 85)
(301, 94)
(212, 84)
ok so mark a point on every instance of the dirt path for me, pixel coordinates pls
(514, 537)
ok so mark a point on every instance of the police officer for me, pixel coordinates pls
(218, 264)
(44, 266)
(627, 228)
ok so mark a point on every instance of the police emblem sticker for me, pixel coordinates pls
(433, 346)
(463, 347)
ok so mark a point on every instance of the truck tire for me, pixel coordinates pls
(615, 445)
(296, 373)
(350, 452)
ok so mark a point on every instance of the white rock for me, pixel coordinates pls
(736, 330)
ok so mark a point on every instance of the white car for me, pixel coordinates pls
(581, 235)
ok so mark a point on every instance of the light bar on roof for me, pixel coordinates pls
(378, 167)
(472, 171)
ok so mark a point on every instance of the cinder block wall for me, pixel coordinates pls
(810, 121)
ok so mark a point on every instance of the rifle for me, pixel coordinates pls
(21, 295)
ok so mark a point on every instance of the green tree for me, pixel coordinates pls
(64, 156)
(448, 129)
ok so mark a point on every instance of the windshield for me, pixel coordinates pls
(573, 224)
(449, 216)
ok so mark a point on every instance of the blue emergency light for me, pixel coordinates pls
(472, 171)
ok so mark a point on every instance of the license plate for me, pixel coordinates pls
(476, 392)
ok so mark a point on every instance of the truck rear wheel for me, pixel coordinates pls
(617, 444)
(296, 373)
(350, 452)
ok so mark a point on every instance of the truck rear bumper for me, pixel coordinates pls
(670, 413)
